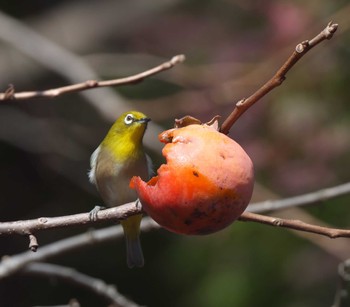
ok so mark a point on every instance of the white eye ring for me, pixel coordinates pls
(129, 119)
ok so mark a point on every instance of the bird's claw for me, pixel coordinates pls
(93, 213)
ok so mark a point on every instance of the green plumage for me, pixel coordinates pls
(120, 157)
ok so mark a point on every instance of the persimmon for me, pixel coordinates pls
(205, 185)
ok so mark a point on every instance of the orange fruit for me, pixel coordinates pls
(205, 185)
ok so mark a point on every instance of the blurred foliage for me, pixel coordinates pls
(297, 136)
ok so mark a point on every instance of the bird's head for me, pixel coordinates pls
(129, 127)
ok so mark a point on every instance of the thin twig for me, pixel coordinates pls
(72, 276)
(28, 227)
(58, 59)
(300, 50)
(11, 264)
(70, 66)
(295, 224)
(301, 200)
(33, 243)
(10, 93)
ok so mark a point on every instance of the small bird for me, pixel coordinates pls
(119, 157)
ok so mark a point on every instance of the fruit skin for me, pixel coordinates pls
(206, 184)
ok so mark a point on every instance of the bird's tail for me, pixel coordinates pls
(131, 227)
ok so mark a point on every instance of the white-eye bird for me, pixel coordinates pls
(119, 157)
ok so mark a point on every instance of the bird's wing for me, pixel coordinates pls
(93, 162)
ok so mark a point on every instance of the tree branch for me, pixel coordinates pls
(72, 276)
(90, 84)
(29, 227)
(301, 200)
(70, 66)
(300, 50)
(10, 265)
(295, 225)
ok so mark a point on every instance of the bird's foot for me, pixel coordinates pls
(93, 212)
(138, 204)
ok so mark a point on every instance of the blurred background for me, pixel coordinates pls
(297, 136)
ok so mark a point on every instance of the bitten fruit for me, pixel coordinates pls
(205, 185)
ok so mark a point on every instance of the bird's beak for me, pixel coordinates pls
(143, 120)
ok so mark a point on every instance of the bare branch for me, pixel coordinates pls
(295, 224)
(301, 200)
(28, 227)
(60, 60)
(300, 50)
(11, 264)
(72, 276)
(70, 66)
(10, 93)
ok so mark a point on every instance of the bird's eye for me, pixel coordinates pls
(129, 119)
